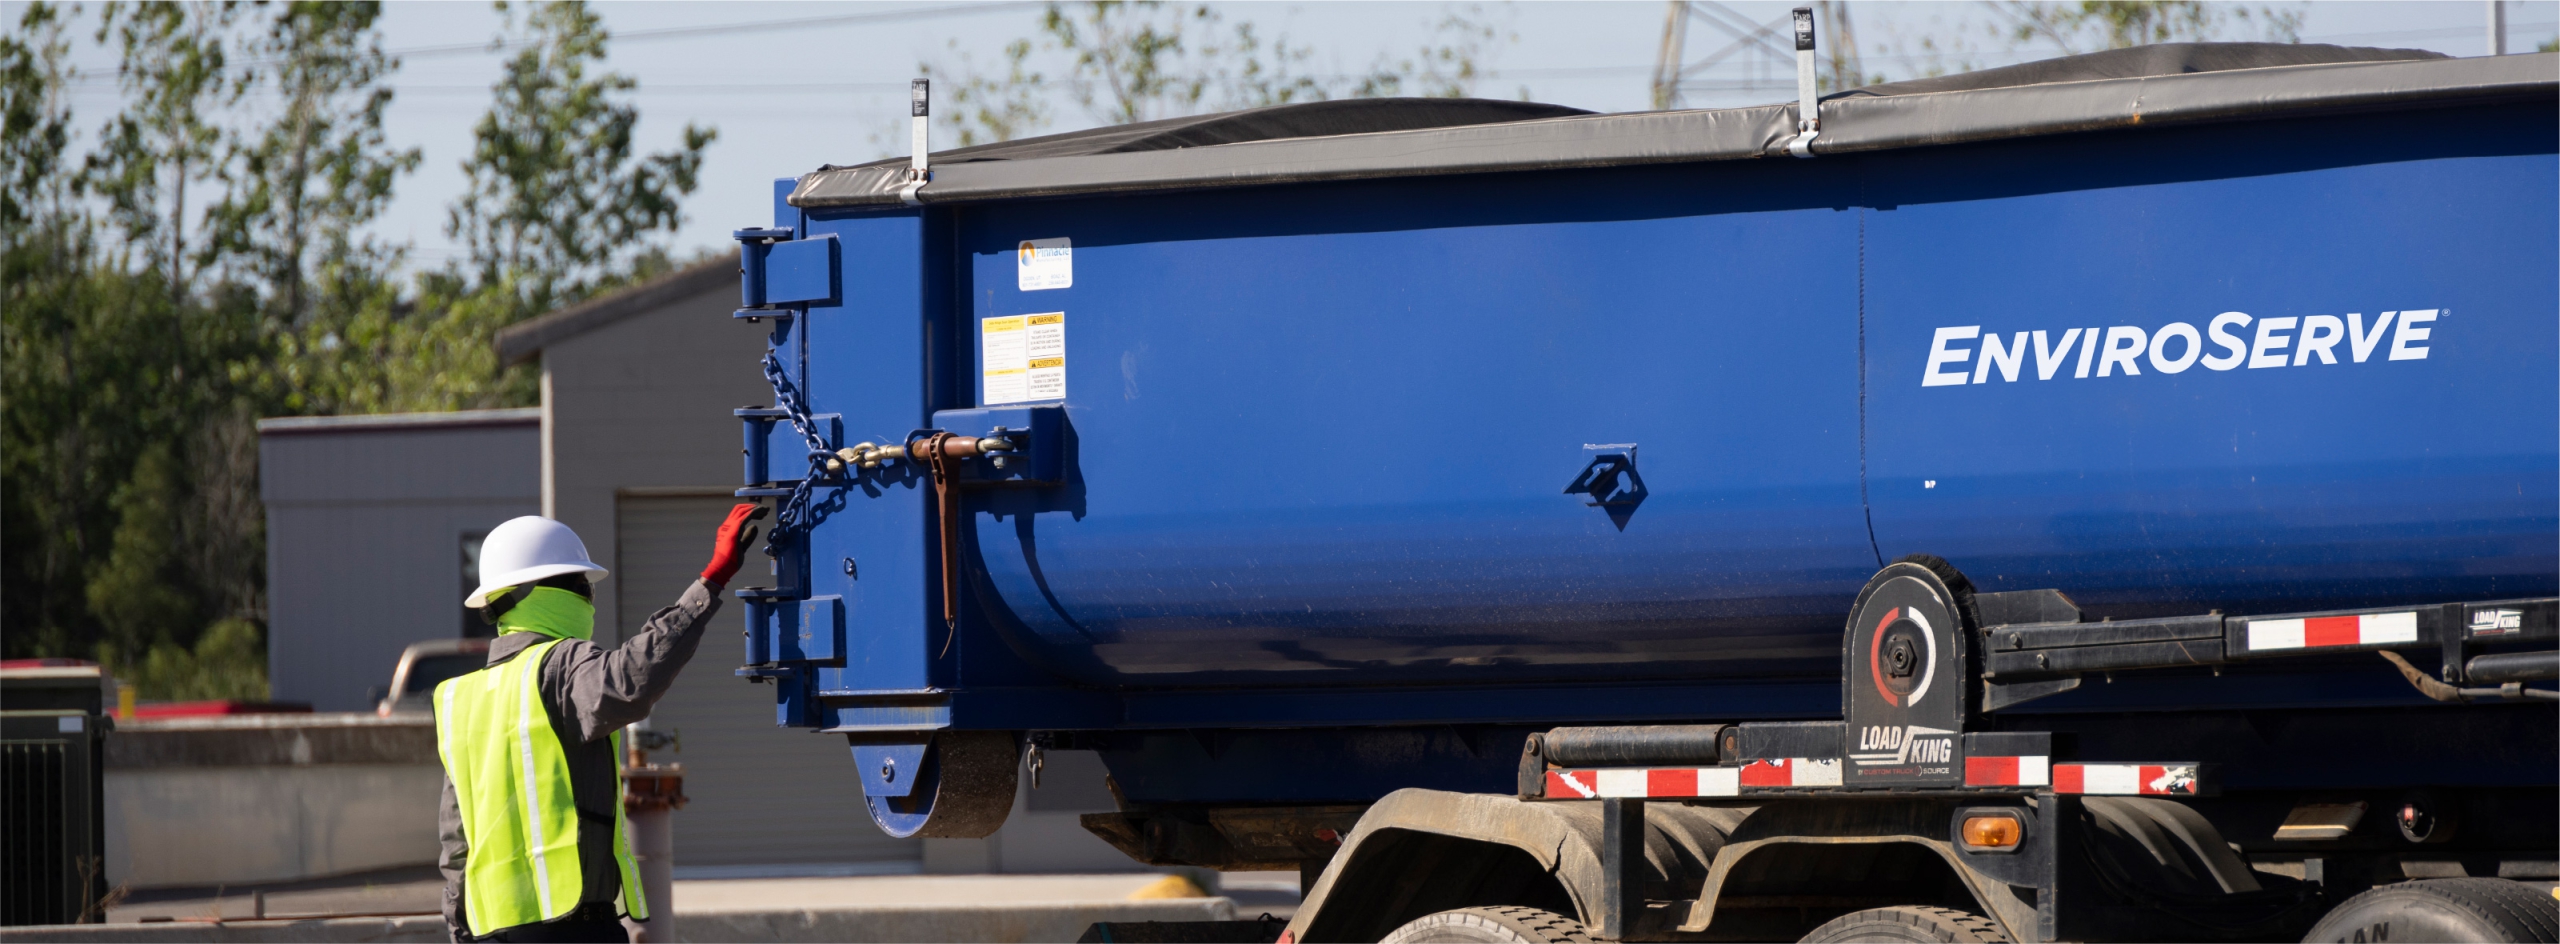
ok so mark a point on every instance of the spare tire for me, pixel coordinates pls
(2445, 909)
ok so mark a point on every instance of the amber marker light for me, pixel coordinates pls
(1992, 832)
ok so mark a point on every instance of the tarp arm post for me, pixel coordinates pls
(1808, 111)
(920, 122)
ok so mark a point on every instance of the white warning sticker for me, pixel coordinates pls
(1044, 264)
(1024, 357)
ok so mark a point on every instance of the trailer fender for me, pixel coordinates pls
(1781, 832)
(1367, 888)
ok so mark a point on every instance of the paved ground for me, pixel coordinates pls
(416, 891)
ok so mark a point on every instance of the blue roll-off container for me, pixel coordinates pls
(2257, 340)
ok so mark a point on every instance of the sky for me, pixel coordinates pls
(792, 85)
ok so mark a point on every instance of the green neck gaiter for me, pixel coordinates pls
(552, 612)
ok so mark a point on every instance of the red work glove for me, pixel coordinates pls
(729, 549)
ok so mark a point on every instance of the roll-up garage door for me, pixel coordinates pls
(762, 795)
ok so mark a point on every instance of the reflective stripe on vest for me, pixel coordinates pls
(519, 815)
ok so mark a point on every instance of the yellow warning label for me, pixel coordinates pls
(1023, 358)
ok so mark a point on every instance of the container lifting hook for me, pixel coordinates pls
(942, 453)
(868, 456)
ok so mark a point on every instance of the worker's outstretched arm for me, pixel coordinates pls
(608, 688)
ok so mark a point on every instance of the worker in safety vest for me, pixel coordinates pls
(535, 846)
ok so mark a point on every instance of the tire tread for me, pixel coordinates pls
(1532, 923)
(2499, 903)
(2539, 914)
(1946, 925)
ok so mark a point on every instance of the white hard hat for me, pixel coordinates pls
(527, 549)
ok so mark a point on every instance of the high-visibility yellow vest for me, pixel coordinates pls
(519, 819)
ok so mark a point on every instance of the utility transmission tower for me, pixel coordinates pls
(1761, 53)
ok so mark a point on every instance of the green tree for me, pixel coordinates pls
(144, 327)
(1447, 66)
(1248, 74)
(2091, 25)
(174, 72)
(138, 592)
(558, 205)
(322, 170)
(1140, 61)
(41, 495)
(35, 124)
(1927, 40)
(112, 359)
(1129, 58)
(980, 108)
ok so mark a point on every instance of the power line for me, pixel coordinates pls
(689, 32)
(767, 26)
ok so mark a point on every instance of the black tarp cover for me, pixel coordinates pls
(1305, 120)
(2142, 62)
(2141, 87)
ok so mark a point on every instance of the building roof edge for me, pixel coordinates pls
(291, 425)
(519, 342)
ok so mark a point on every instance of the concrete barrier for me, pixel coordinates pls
(423, 928)
(1004, 922)
(245, 799)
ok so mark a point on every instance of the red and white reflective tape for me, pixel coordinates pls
(1641, 783)
(1647, 783)
(2124, 779)
(2368, 629)
(1792, 772)
(2033, 770)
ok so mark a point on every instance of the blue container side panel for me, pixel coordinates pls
(2419, 466)
(1322, 434)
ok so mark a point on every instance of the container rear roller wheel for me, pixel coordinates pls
(964, 791)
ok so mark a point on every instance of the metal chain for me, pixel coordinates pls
(793, 516)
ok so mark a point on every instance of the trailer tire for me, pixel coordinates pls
(2447, 909)
(1498, 925)
(1907, 924)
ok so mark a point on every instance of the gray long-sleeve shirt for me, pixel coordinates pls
(590, 691)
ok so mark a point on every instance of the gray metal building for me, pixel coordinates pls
(373, 524)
